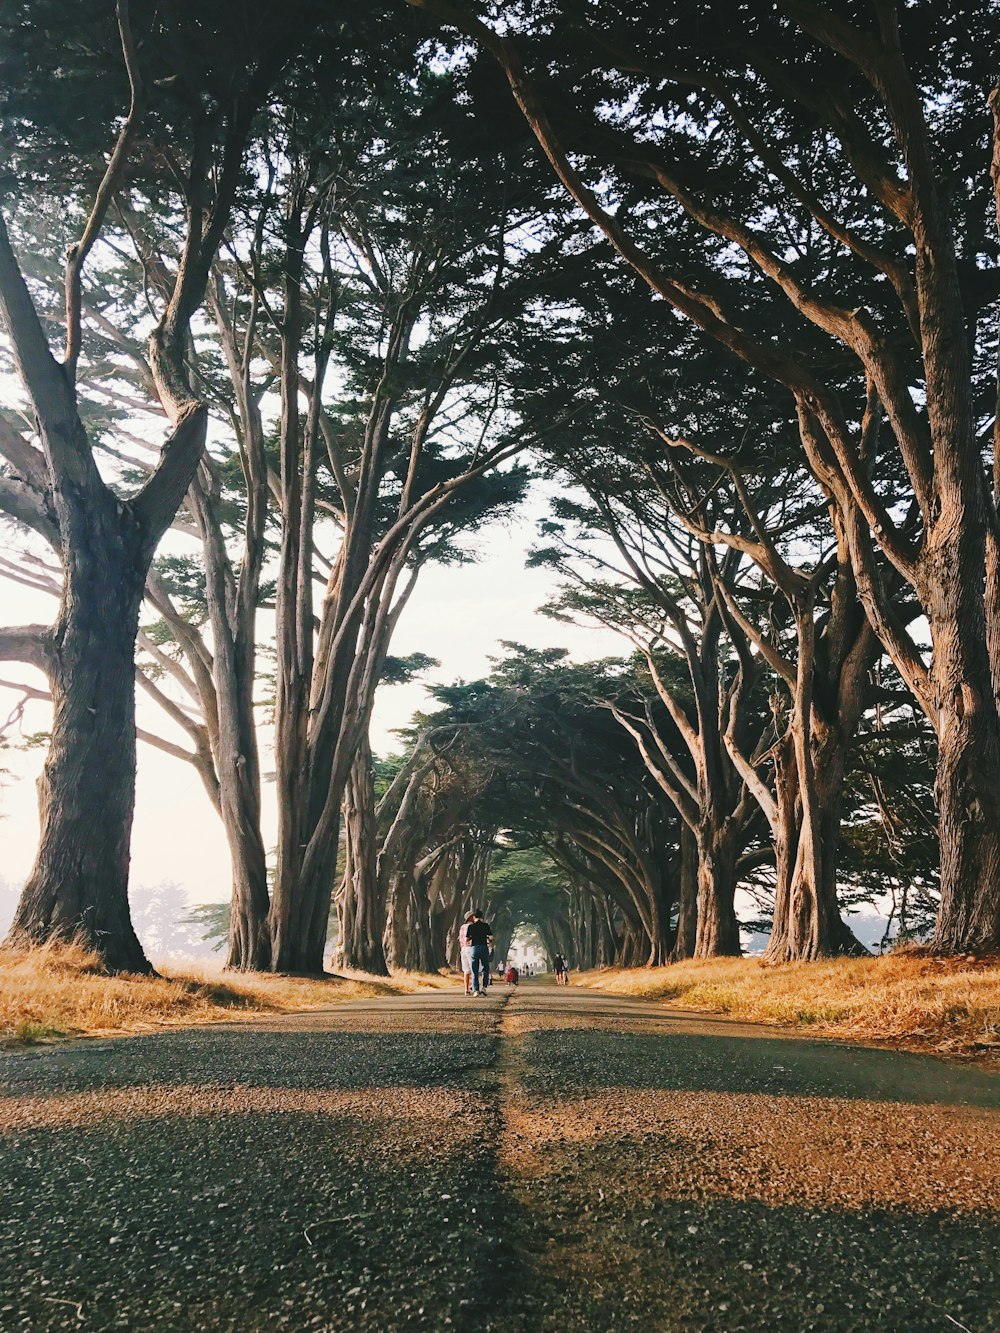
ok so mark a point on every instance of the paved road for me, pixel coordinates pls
(554, 1159)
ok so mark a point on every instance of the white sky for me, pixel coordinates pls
(457, 615)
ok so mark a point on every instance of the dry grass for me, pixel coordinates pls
(907, 998)
(61, 991)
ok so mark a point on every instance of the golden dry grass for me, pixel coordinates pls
(908, 997)
(59, 991)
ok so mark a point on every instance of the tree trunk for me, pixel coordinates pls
(718, 934)
(607, 942)
(397, 928)
(686, 933)
(581, 918)
(238, 768)
(968, 771)
(249, 939)
(78, 887)
(809, 775)
(420, 945)
(362, 907)
(661, 938)
(634, 949)
(807, 920)
(232, 604)
(294, 892)
(654, 870)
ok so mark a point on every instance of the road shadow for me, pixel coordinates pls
(278, 1057)
(779, 1066)
(253, 1222)
(633, 1260)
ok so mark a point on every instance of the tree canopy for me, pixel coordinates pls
(300, 302)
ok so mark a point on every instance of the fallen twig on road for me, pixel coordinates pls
(61, 1300)
(331, 1221)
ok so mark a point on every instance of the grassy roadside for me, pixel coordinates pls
(907, 998)
(47, 993)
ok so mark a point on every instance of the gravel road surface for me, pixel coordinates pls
(544, 1159)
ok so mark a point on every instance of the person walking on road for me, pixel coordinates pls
(465, 951)
(559, 967)
(481, 939)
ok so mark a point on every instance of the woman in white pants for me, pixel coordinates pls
(465, 948)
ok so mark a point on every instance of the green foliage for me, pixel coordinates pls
(403, 670)
(528, 885)
(183, 577)
(211, 920)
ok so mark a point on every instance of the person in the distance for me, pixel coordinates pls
(465, 950)
(481, 939)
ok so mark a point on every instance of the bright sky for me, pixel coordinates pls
(457, 615)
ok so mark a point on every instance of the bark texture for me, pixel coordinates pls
(361, 906)
(78, 886)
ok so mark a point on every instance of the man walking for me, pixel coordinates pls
(481, 939)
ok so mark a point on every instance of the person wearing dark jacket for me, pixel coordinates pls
(481, 939)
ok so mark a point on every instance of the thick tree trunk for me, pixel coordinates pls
(441, 921)
(298, 934)
(409, 931)
(582, 932)
(718, 933)
(294, 894)
(501, 947)
(420, 945)
(958, 593)
(78, 887)
(968, 776)
(807, 920)
(249, 939)
(397, 928)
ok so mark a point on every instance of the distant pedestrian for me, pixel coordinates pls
(560, 969)
(465, 951)
(510, 976)
(481, 939)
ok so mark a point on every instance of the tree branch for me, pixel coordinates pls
(27, 643)
(23, 503)
(157, 502)
(77, 254)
